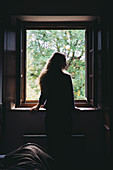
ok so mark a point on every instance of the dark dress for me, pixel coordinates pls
(59, 102)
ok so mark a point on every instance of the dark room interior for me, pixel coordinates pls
(92, 130)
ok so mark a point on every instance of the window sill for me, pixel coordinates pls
(42, 109)
(27, 108)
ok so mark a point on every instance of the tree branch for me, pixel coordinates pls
(32, 74)
(40, 49)
(71, 59)
(58, 49)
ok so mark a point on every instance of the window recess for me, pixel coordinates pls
(90, 59)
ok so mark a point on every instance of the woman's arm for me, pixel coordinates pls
(71, 95)
(41, 101)
(36, 107)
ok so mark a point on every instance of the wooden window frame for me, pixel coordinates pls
(21, 58)
(1, 64)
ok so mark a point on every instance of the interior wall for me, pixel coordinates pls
(50, 7)
(87, 127)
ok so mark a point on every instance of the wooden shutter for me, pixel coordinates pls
(9, 64)
(92, 64)
(100, 65)
(20, 65)
(106, 52)
(1, 66)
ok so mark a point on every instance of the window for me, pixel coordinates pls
(37, 42)
(41, 44)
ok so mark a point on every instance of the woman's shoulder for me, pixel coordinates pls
(66, 75)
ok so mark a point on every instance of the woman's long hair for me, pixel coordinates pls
(56, 63)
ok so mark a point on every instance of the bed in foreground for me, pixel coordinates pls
(27, 157)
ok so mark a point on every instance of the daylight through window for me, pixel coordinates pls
(41, 44)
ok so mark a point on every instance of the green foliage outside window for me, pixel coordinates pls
(41, 44)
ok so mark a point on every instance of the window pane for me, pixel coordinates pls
(41, 44)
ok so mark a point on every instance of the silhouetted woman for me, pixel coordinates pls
(57, 96)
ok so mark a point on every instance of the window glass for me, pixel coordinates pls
(41, 44)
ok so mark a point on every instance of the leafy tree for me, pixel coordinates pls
(41, 44)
